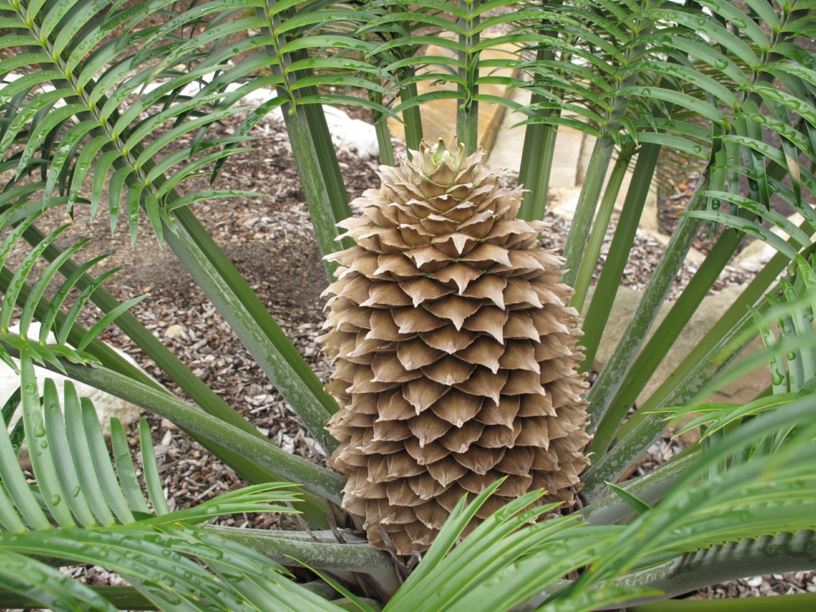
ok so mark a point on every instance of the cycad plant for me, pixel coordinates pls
(455, 358)
(462, 428)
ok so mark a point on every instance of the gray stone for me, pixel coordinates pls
(708, 313)
(754, 257)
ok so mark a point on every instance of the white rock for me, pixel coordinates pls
(174, 331)
(352, 134)
(564, 201)
(107, 406)
(754, 257)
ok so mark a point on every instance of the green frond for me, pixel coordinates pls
(117, 106)
(86, 508)
(716, 362)
(701, 512)
(104, 67)
(790, 352)
(97, 69)
(742, 124)
(26, 290)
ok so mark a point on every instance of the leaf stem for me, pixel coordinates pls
(585, 207)
(467, 105)
(314, 478)
(316, 549)
(599, 227)
(612, 272)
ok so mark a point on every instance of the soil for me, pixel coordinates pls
(673, 201)
(270, 240)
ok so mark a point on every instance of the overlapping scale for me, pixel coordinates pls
(454, 352)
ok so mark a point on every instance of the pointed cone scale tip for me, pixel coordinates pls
(453, 349)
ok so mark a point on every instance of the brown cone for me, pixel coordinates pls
(454, 352)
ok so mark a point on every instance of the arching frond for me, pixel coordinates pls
(724, 74)
(31, 294)
(129, 121)
(88, 507)
(717, 363)
(74, 98)
(787, 311)
(461, 63)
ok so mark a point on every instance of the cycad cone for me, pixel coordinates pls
(454, 352)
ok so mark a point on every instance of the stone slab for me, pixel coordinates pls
(439, 116)
(709, 312)
(506, 151)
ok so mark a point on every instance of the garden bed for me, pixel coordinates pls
(270, 240)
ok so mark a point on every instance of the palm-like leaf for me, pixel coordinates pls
(715, 364)
(87, 508)
(789, 357)
(738, 132)
(94, 69)
(125, 100)
(457, 29)
(58, 315)
(81, 97)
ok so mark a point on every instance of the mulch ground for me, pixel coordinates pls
(270, 240)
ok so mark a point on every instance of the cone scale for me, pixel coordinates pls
(454, 352)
